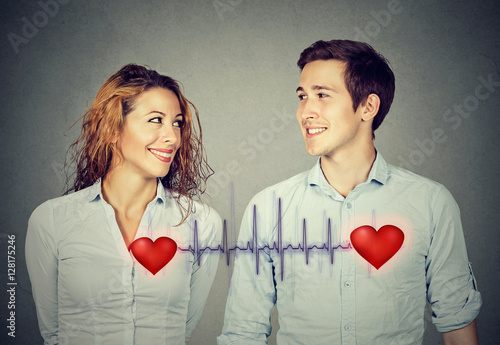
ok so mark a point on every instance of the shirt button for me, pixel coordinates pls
(348, 205)
(129, 294)
(347, 284)
(347, 327)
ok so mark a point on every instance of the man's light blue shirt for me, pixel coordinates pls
(89, 289)
(329, 294)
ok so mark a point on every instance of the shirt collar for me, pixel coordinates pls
(161, 193)
(94, 192)
(379, 172)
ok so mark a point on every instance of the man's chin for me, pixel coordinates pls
(313, 152)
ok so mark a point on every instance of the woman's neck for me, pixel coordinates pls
(128, 193)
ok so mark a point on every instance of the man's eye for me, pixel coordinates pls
(301, 97)
(322, 95)
(155, 120)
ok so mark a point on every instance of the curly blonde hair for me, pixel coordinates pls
(102, 123)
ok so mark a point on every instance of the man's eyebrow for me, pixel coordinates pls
(323, 87)
(317, 87)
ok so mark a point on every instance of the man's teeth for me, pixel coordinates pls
(163, 154)
(315, 130)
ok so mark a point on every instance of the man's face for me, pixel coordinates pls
(325, 114)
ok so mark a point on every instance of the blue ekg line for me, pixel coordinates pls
(253, 247)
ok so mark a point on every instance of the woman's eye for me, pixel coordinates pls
(178, 123)
(155, 120)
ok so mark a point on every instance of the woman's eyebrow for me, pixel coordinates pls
(155, 112)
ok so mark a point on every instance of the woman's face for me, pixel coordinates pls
(151, 134)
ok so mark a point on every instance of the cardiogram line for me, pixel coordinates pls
(253, 247)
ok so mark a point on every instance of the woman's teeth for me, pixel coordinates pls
(163, 154)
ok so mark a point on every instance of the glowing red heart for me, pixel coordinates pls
(377, 247)
(153, 255)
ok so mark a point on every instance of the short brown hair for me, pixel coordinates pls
(366, 72)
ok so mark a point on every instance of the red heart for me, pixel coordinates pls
(377, 247)
(153, 255)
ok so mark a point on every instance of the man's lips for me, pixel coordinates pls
(314, 131)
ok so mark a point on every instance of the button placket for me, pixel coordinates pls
(348, 298)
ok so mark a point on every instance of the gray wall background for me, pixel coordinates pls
(236, 60)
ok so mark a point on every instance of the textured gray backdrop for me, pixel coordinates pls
(236, 60)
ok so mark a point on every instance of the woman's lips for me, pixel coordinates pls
(162, 154)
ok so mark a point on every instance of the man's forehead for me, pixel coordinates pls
(322, 74)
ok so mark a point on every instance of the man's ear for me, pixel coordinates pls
(370, 107)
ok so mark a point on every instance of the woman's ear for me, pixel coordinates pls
(113, 136)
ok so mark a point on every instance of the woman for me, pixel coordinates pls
(139, 164)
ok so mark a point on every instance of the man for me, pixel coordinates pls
(314, 249)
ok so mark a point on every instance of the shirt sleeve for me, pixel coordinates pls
(451, 286)
(252, 294)
(42, 262)
(203, 274)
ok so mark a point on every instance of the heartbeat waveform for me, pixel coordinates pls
(253, 247)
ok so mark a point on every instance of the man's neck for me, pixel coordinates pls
(346, 169)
